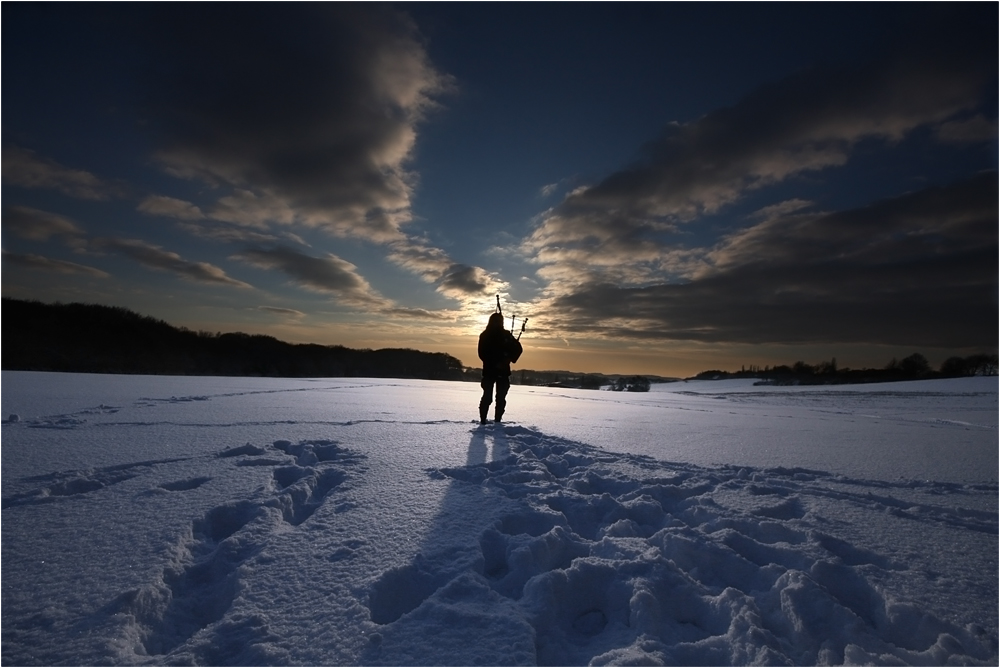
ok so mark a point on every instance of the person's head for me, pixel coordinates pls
(496, 321)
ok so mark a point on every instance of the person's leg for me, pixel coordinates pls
(503, 384)
(484, 403)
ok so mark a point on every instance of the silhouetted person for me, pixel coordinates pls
(497, 349)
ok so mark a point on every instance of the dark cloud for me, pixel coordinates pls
(233, 233)
(932, 223)
(807, 122)
(309, 121)
(329, 275)
(315, 112)
(155, 257)
(25, 168)
(170, 207)
(303, 116)
(455, 280)
(336, 277)
(419, 314)
(40, 263)
(464, 280)
(284, 312)
(919, 270)
(36, 225)
(974, 130)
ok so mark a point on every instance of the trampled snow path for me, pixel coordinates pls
(253, 522)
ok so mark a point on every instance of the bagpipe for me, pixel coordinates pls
(524, 323)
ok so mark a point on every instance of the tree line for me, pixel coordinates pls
(91, 338)
(913, 367)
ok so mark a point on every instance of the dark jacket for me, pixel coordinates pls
(498, 348)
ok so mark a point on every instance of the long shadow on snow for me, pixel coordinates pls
(442, 596)
(400, 591)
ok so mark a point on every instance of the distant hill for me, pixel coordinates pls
(90, 338)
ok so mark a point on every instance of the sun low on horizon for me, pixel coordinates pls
(658, 188)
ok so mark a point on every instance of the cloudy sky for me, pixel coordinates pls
(658, 187)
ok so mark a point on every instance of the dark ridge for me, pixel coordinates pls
(90, 338)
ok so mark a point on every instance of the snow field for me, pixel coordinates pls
(628, 560)
(270, 522)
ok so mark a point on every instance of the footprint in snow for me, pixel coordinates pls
(67, 484)
(627, 566)
(198, 587)
(184, 485)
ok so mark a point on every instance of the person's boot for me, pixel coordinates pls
(482, 414)
(498, 416)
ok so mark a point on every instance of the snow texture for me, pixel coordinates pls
(237, 521)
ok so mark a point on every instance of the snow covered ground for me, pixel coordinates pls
(239, 521)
